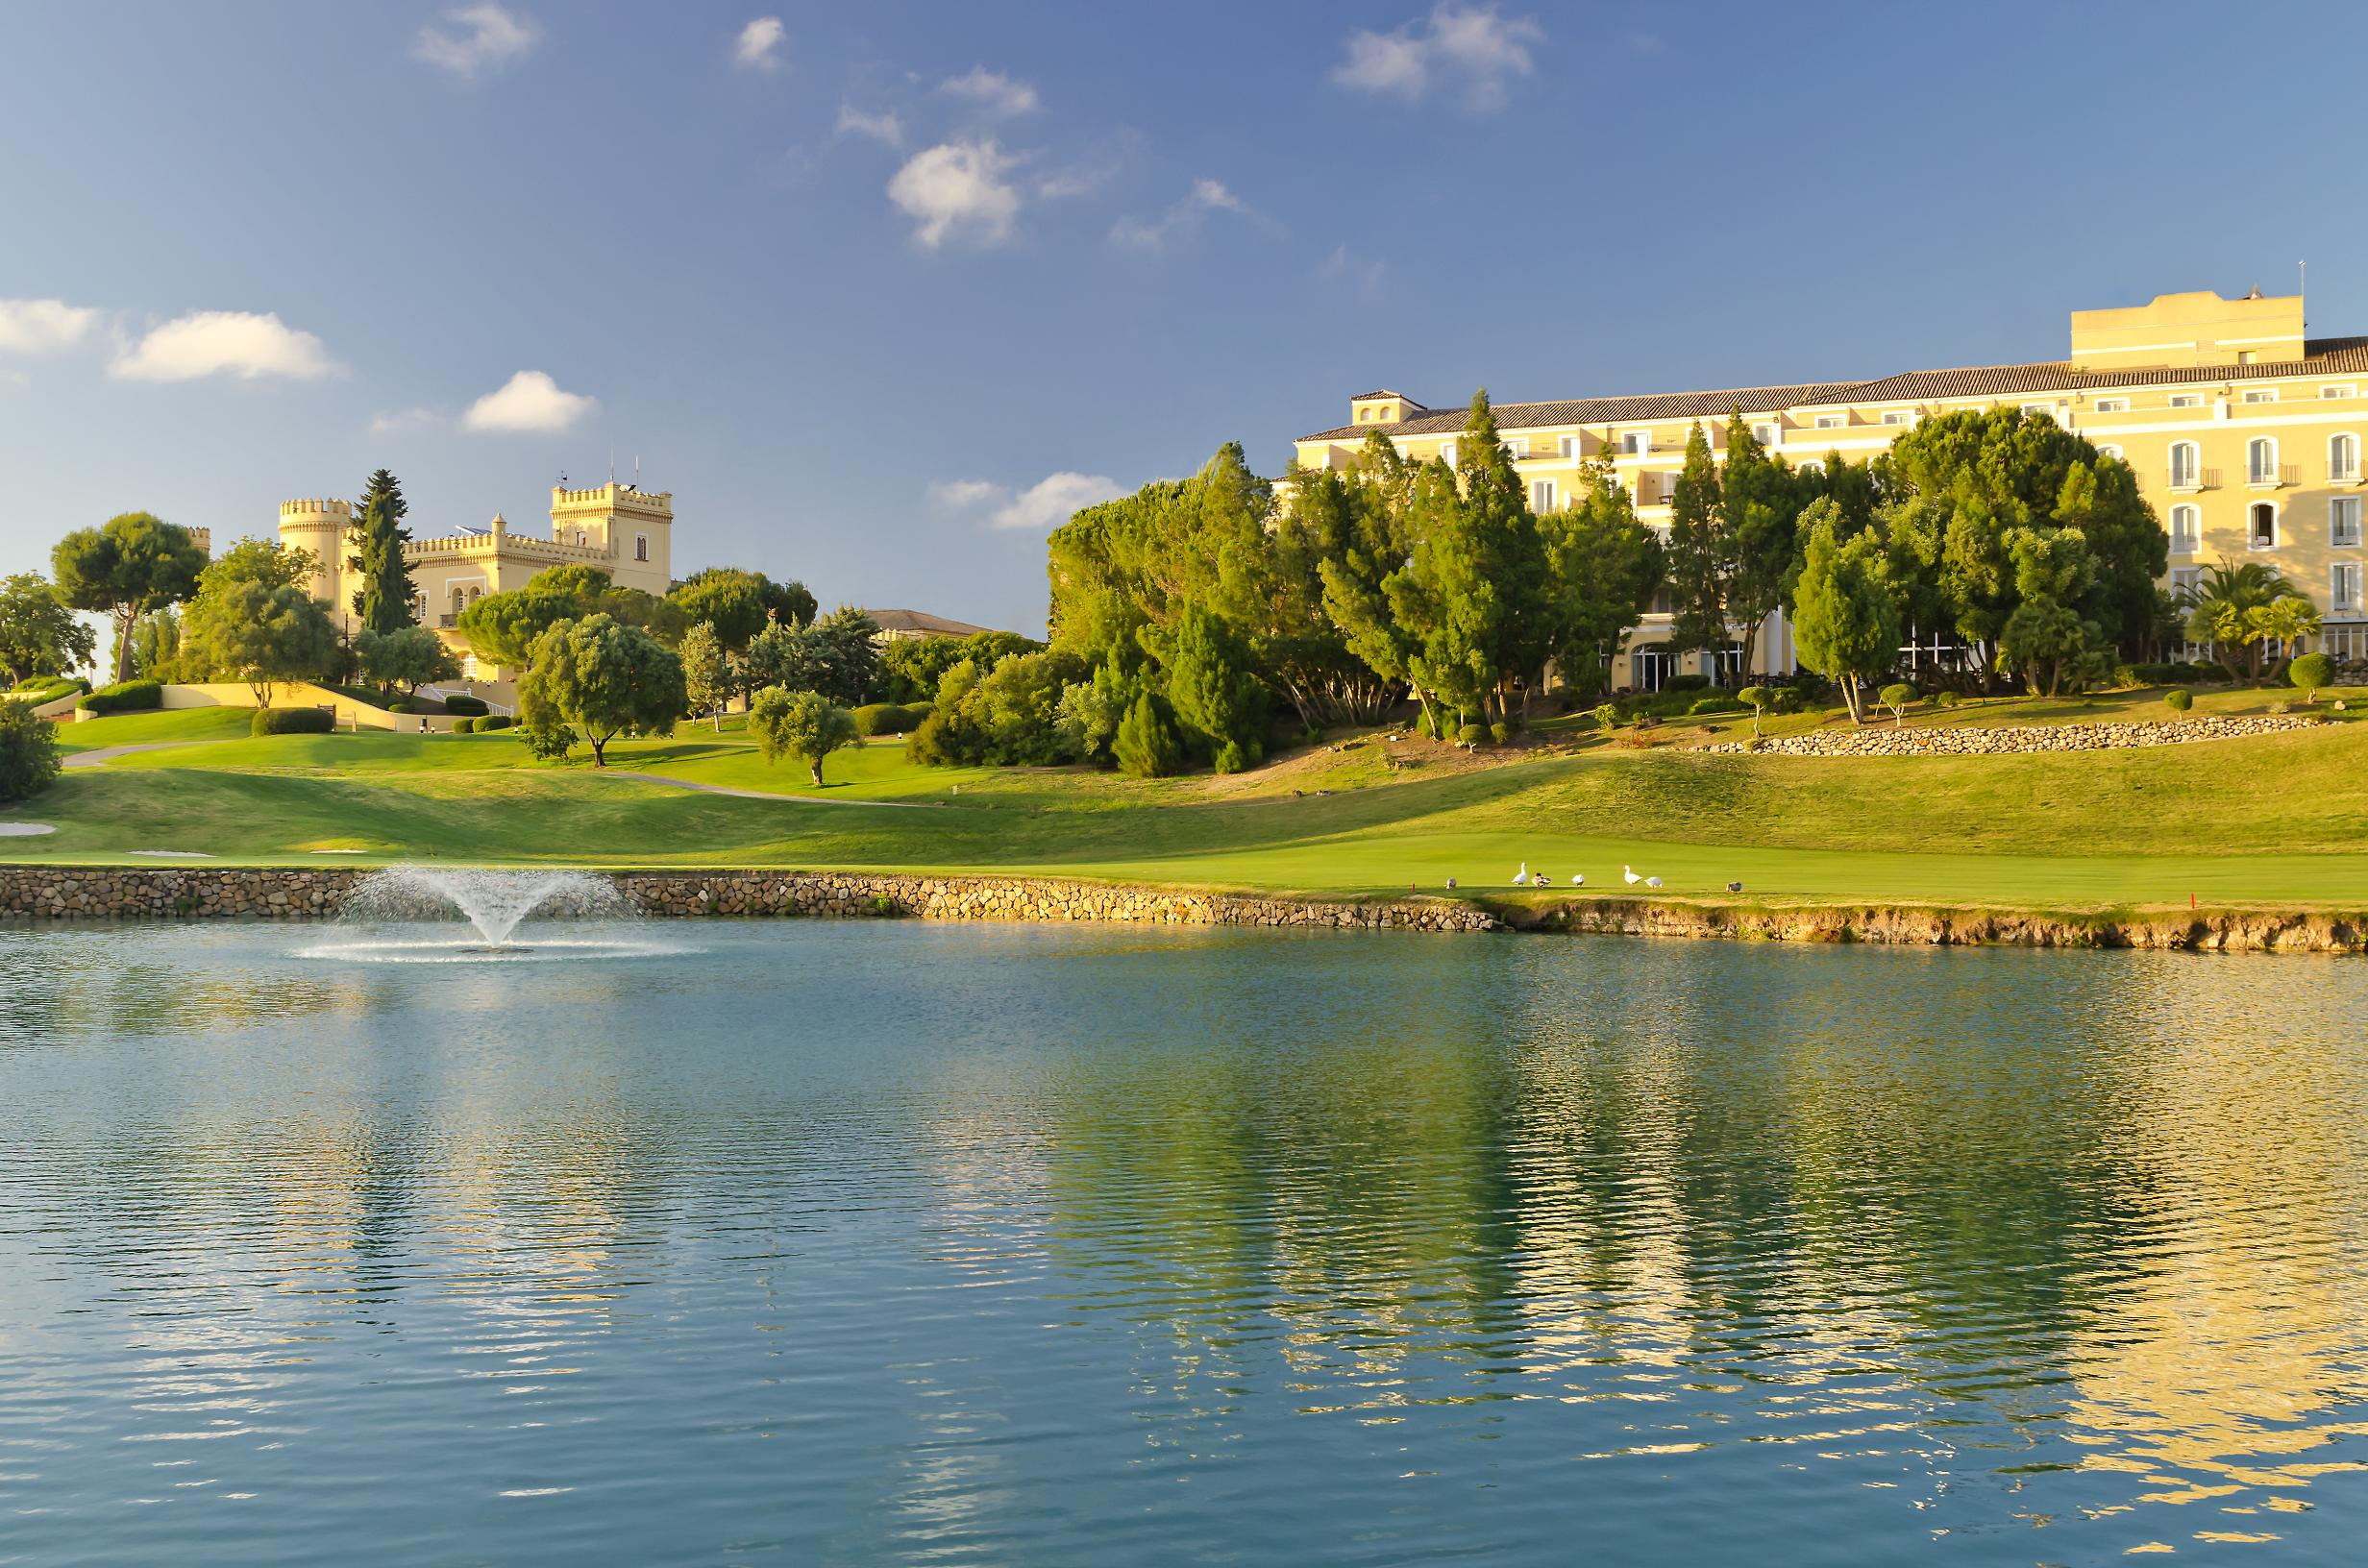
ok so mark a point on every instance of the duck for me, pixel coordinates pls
(1734, 887)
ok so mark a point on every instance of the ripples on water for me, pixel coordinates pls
(935, 1245)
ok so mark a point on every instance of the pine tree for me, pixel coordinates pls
(1697, 563)
(383, 602)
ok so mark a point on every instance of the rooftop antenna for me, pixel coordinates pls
(2302, 291)
(637, 471)
(612, 465)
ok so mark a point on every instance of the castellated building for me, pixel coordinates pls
(621, 528)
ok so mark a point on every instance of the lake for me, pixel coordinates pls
(886, 1242)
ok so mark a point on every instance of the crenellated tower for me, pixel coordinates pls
(320, 525)
(632, 527)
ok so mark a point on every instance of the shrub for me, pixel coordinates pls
(551, 741)
(127, 696)
(2310, 672)
(29, 760)
(2281, 705)
(48, 688)
(499, 720)
(1146, 744)
(403, 705)
(1685, 684)
(2180, 699)
(1472, 735)
(1718, 702)
(885, 719)
(292, 722)
(463, 725)
(1607, 716)
(1946, 699)
(1787, 699)
(1501, 733)
(474, 706)
(1896, 696)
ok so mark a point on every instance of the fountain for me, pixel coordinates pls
(402, 909)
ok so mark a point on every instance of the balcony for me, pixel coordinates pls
(2186, 480)
(2273, 476)
(446, 622)
(2343, 472)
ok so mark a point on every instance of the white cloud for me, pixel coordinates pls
(42, 326)
(486, 36)
(1180, 221)
(1078, 182)
(961, 494)
(405, 419)
(957, 189)
(1361, 274)
(883, 127)
(758, 47)
(991, 90)
(528, 400)
(1472, 44)
(1047, 503)
(225, 343)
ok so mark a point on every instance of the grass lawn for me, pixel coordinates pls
(2273, 821)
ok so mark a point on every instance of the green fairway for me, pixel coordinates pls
(2269, 821)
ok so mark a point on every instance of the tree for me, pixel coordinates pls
(801, 724)
(155, 644)
(251, 631)
(2284, 620)
(602, 678)
(383, 602)
(1699, 555)
(2044, 641)
(1761, 500)
(504, 627)
(408, 656)
(1897, 697)
(739, 602)
(850, 643)
(912, 667)
(1146, 744)
(1602, 569)
(133, 564)
(1363, 525)
(2231, 608)
(708, 678)
(1215, 694)
(38, 635)
(29, 760)
(1758, 698)
(2311, 672)
(1845, 623)
(789, 654)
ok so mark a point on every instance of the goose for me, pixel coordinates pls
(1520, 878)
(1577, 880)
(1652, 881)
(1628, 873)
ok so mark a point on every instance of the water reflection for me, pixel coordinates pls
(877, 1243)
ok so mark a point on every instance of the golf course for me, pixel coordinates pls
(2269, 821)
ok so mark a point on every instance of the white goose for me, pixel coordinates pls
(1652, 881)
(1520, 878)
(1628, 873)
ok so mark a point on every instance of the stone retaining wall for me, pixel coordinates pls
(1968, 741)
(92, 893)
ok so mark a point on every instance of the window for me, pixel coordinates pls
(1768, 435)
(2186, 472)
(1832, 422)
(2047, 408)
(2112, 406)
(2261, 460)
(1447, 453)
(2186, 399)
(2338, 392)
(2186, 530)
(1517, 445)
(1541, 496)
(641, 547)
(2185, 582)
(2343, 457)
(2261, 394)
(579, 538)
(2107, 451)
(1364, 414)
(2261, 525)
(2343, 522)
(1815, 465)
(1898, 416)
(1571, 448)
(2347, 644)
(1636, 443)
(2246, 356)
(2343, 586)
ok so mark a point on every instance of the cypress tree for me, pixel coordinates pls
(383, 602)
(1697, 553)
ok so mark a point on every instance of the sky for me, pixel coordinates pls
(881, 292)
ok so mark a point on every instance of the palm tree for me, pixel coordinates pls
(2237, 608)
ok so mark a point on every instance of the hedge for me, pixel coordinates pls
(48, 688)
(474, 706)
(464, 726)
(887, 718)
(499, 720)
(127, 696)
(292, 722)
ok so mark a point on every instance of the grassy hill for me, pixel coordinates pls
(2270, 821)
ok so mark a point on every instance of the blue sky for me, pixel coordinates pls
(878, 291)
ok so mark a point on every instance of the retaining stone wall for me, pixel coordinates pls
(1883, 740)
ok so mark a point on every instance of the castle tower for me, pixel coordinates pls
(629, 532)
(320, 526)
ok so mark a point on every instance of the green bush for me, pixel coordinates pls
(499, 720)
(2282, 707)
(464, 726)
(127, 696)
(474, 706)
(29, 760)
(1946, 699)
(48, 688)
(1716, 702)
(292, 722)
(1472, 735)
(1501, 733)
(2311, 672)
(402, 705)
(885, 719)
(1146, 744)
(1685, 684)
(1607, 716)
(2179, 698)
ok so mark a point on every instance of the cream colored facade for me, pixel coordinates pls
(624, 531)
(2246, 436)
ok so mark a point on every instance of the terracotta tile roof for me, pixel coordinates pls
(922, 622)
(1385, 392)
(2322, 356)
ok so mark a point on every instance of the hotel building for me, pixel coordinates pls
(2244, 432)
